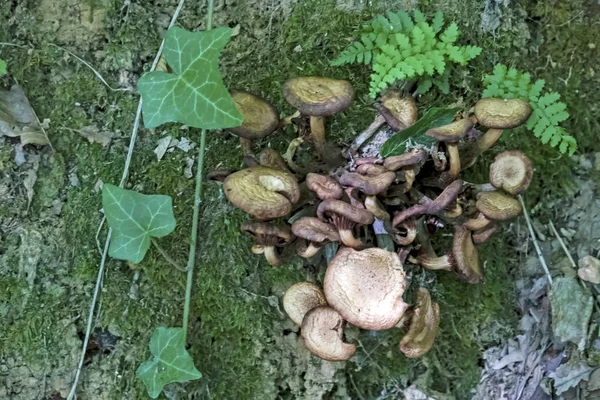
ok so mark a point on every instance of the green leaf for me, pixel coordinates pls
(170, 361)
(434, 118)
(194, 93)
(134, 219)
(2, 68)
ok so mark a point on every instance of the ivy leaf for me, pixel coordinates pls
(194, 93)
(170, 361)
(2, 68)
(134, 218)
(434, 118)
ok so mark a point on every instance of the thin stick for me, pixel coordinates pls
(166, 255)
(196, 215)
(534, 240)
(563, 245)
(81, 60)
(136, 125)
(365, 135)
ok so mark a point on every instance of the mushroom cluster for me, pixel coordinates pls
(408, 197)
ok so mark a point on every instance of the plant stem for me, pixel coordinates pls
(534, 240)
(166, 255)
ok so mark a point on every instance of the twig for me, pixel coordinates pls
(365, 135)
(166, 255)
(13, 45)
(81, 60)
(136, 125)
(534, 240)
(562, 244)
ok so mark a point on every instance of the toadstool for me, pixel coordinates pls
(502, 113)
(511, 171)
(369, 185)
(423, 326)
(498, 206)
(300, 298)
(323, 334)
(324, 186)
(316, 232)
(267, 237)
(451, 135)
(345, 217)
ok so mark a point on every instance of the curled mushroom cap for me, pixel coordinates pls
(370, 185)
(502, 113)
(323, 334)
(451, 133)
(260, 117)
(317, 96)
(466, 256)
(407, 159)
(324, 186)
(423, 326)
(344, 217)
(371, 169)
(511, 171)
(263, 192)
(268, 236)
(316, 232)
(300, 298)
(366, 287)
(399, 110)
(433, 207)
(498, 206)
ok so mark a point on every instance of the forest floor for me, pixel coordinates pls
(240, 339)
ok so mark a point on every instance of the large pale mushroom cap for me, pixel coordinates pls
(263, 192)
(502, 113)
(260, 117)
(366, 287)
(323, 334)
(317, 96)
(300, 298)
(511, 171)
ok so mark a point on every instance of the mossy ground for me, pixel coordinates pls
(239, 338)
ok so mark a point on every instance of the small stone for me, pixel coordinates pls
(589, 269)
(585, 162)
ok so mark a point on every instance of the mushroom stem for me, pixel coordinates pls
(246, 145)
(288, 120)
(477, 223)
(288, 156)
(454, 158)
(488, 139)
(317, 133)
(349, 240)
(272, 256)
(365, 135)
(309, 251)
(444, 262)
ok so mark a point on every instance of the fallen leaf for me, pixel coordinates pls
(187, 171)
(18, 119)
(569, 375)
(162, 147)
(589, 269)
(571, 310)
(185, 144)
(94, 135)
(594, 381)
(29, 183)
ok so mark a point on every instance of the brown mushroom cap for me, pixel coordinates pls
(371, 169)
(366, 287)
(323, 334)
(408, 159)
(263, 192)
(502, 113)
(423, 326)
(399, 110)
(466, 256)
(324, 186)
(346, 210)
(300, 298)
(271, 158)
(498, 206)
(451, 133)
(370, 185)
(317, 96)
(269, 234)
(315, 230)
(260, 117)
(511, 171)
(483, 235)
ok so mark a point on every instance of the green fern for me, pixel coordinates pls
(401, 47)
(548, 111)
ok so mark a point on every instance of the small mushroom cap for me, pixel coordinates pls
(315, 230)
(498, 206)
(466, 256)
(300, 298)
(370, 185)
(260, 117)
(511, 171)
(366, 287)
(423, 326)
(317, 96)
(324, 186)
(269, 234)
(346, 210)
(451, 133)
(408, 159)
(399, 110)
(371, 169)
(323, 334)
(502, 113)
(263, 192)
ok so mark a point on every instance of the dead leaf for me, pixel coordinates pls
(589, 269)
(569, 375)
(187, 171)
(571, 310)
(29, 183)
(94, 135)
(18, 119)
(162, 147)
(594, 381)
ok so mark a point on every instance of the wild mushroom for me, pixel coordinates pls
(260, 118)
(316, 232)
(300, 298)
(410, 163)
(511, 171)
(271, 158)
(502, 113)
(433, 207)
(324, 186)
(369, 185)
(408, 232)
(477, 223)
(451, 135)
(263, 192)
(498, 206)
(423, 326)
(345, 217)
(482, 235)
(376, 208)
(464, 258)
(371, 169)
(318, 97)
(323, 334)
(366, 287)
(267, 237)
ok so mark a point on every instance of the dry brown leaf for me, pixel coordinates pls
(18, 119)
(94, 135)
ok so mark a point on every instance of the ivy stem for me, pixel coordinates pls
(197, 199)
(166, 255)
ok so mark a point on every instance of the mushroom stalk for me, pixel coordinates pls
(444, 262)
(272, 256)
(246, 145)
(454, 160)
(488, 139)
(349, 240)
(317, 133)
(310, 251)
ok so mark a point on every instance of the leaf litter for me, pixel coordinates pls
(18, 119)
